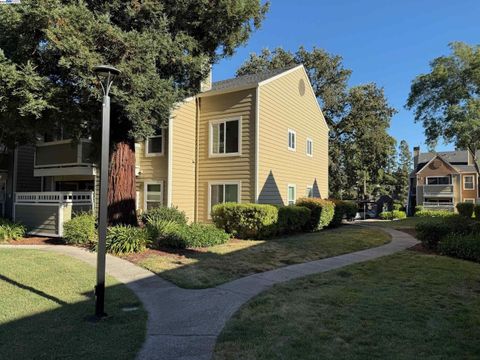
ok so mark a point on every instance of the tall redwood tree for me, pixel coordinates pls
(164, 49)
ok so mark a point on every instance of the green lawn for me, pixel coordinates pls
(408, 223)
(405, 306)
(44, 302)
(238, 258)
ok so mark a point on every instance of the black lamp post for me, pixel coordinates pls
(105, 74)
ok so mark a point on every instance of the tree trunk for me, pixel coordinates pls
(121, 185)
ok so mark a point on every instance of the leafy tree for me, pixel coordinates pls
(163, 48)
(447, 99)
(358, 117)
(402, 174)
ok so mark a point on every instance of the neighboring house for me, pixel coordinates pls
(257, 138)
(442, 180)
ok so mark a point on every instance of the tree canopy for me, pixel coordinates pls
(447, 99)
(358, 117)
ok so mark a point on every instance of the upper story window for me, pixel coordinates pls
(438, 180)
(468, 182)
(291, 195)
(154, 145)
(292, 140)
(225, 137)
(309, 147)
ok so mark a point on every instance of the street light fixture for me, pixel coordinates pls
(105, 74)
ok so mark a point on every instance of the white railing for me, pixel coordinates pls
(437, 205)
(438, 190)
(57, 197)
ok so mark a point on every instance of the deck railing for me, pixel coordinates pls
(438, 205)
(438, 190)
(64, 153)
(57, 197)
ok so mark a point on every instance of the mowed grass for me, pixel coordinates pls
(405, 306)
(44, 302)
(238, 258)
(408, 223)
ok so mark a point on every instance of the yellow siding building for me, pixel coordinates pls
(256, 138)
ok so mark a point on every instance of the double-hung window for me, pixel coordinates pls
(438, 180)
(153, 194)
(292, 140)
(225, 137)
(468, 182)
(155, 144)
(223, 192)
(309, 147)
(291, 194)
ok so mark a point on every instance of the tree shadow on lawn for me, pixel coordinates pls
(203, 268)
(66, 331)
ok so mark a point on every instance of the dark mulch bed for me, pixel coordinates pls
(36, 240)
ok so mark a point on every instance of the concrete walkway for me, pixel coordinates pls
(184, 324)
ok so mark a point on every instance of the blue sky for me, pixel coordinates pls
(383, 41)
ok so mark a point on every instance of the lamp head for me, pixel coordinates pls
(106, 74)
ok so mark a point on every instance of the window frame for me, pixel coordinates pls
(473, 182)
(145, 192)
(306, 149)
(294, 194)
(294, 148)
(147, 141)
(210, 137)
(223, 182)
(472, 200)
(436, 177)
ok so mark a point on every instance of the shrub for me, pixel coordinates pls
(158, 229)
(192, 236)
(10, 230)
(80, 229)
(398, 214)
(292, 219)
(476, 210)
(343, 210)
(465, 209)
(123, 239)
(386, 215)
(431, 230)
(461, 246)
(398, 206)
(434, 213)
(246, 221)
(164, 213)
(322, 212)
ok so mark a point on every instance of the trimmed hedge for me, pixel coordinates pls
(191, 236)
(322, 212)
(343, 210)
(10, 230)
(433, 213)
(80, 229)
(430, 231)
(292, 219)
(461, 246)
(246, 221)
(123, 239)
(166, 214)
(465, 209)
(393, 215)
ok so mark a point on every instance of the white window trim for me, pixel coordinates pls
(145, 187)
(162, 135)
(291, 131)
(306, 145)
(294, 193)
(222, 182)
(440, 176)
(473, 181)
(210, 137)
(472, 199)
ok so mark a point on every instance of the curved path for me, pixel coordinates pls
(184, 324)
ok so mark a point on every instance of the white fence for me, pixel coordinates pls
(44, 213)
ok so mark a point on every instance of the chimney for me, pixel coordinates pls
(416, 154)
(206, 84)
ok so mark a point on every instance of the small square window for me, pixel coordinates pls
(468, 182)
(292, 141)
(154, 145)
(225, 137)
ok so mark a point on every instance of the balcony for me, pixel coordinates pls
(64, 157)
(431, 205)
(438, 190)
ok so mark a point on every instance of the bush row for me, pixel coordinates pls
(10, 230)
(393, 215)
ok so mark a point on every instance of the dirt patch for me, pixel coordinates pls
(420, 248)
(36, 240)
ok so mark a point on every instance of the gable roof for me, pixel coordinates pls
(246, 81)
(457, 156)
(437, 156)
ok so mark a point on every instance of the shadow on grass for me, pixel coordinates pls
(64, 331)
